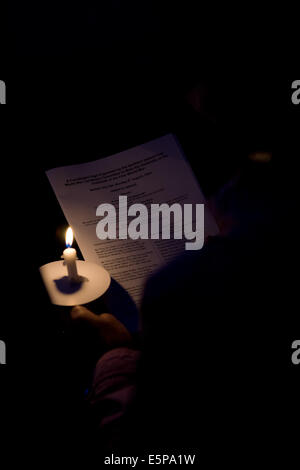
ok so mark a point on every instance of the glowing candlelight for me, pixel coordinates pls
(70, 257)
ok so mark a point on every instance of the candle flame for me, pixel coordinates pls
(69, 237)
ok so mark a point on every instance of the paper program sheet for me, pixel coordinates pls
(155, 172)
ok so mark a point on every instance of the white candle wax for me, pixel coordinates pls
(70, 257)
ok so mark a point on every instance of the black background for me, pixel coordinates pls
(89, 81)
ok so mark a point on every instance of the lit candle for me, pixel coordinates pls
(70, 257)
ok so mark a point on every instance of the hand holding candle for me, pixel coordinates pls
(70, 257)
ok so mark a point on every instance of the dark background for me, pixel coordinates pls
(85, 81)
